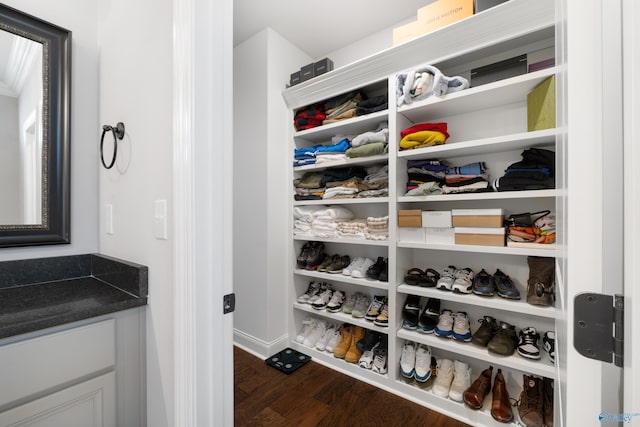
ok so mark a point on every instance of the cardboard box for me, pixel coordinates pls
(436, 219)
(411, 234)
(439, 236)
(294, 79)
(541, 106)
(410, 218)
(479, 236)
(306, 72)
(488, 218)
(323, 66)
(444, 12)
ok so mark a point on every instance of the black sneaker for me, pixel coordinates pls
(316, 255)
(384, 274)
(549, 344)
(429, 317)
(411, 312)
(304, 254)
(504, 341)
(483, 284)
(374, 271)
(504, 286)
(370, 339)
(485, 332)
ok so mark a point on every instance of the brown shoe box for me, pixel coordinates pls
(409, 218)
(479, 236)
(490, 218)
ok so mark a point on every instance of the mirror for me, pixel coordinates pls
(35, 76)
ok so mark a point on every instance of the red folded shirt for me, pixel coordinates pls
(439, 127)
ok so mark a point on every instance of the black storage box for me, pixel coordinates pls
(499, 70)
(306, 72)
(323, 66)
(294, 79)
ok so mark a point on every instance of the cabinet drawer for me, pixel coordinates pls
(43, 363)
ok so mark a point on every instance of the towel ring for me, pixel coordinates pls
(118, 133)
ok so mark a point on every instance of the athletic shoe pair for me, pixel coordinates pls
(456, 280)
(415, 361)
(453, 325)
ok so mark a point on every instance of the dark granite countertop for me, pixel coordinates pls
(41, 293)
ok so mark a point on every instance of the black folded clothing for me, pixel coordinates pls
(342, 174)
(368, 106)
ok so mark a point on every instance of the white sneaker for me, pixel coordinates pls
(408, 359)
(323, 299)
(313, 289)
(334, 340)
(442, 384)
(360, 271)
(444, 328)
(366, 360)
(354, 264)
(323, 287)
(461, 328)
(328, 333)
(307, 325)
(461, 381)
(447, 277)
(380, 360)
(423, 363)
(464, 281)
(336, 302)
(316, 333)
(351, 302)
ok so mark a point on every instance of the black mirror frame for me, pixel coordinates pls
(56, 172)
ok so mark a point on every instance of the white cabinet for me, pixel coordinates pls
(487, 123)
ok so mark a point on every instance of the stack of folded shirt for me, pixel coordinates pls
(309, 117)
(536, 171)
(343, 107)
(425, 177)
(376, 183)
(309, 187)
(423, 135)
(377, 228)
(346, 189)
(325, 221)
(333, 152)
(425, 82)
(370, 143)
(352, 229)
(471, 178)
(303, 217)
(305, 156)
(371, 105)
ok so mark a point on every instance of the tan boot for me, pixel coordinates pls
(354, 353)
(531, 400)
(347, 335)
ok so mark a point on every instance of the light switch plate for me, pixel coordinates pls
(160, 219)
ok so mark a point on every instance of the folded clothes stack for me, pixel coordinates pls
(325, 221)
(309, 187)
(343, 106)
(370, 143)
(377, 228)
(423, 135)
(534, 172)
(470, 178)
(309, 117)
(425, 177)
(303, 217)
(354, 228)
(425, 82)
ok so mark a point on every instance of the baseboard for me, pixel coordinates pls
(258, 347)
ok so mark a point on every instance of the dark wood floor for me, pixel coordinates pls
(315, 395)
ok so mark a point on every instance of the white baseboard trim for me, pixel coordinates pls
(258, 347)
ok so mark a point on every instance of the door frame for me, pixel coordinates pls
(202, 134)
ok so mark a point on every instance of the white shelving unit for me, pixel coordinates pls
(512, 28)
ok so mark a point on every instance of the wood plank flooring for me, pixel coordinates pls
(318, 396)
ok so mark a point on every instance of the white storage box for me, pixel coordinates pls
(492, 218)
(439, 236)
(480, 236)
(411, 234)
(436, 219)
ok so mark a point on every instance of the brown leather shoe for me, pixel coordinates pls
(500, 405)
(531, 400)
(547, 407)
(474, 395)
(542, 275)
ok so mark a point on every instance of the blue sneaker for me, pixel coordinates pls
(504, 286)
(461, 327)
(483, 284)
(444, 328)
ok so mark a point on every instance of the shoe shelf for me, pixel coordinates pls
(355, 201)
(501, 250)
(340, 317)
(496, 302)
(381, 158)
(541, 367)
(345, 241)
(369, 283)
(340, 365)
(458, 410)
(499, 93)
(484, 146)
(352, 126)
(495, 195)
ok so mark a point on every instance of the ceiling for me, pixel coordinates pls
(320, 27)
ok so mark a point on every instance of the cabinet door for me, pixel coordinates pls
(91, 403)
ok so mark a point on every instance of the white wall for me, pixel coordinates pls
(136, 66)
(262, 66)
(81, 17)
(11, 204)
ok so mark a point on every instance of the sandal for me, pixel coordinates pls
(414, 277)
(430, 278)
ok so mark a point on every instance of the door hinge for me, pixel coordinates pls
(228, 303)
(599, 327)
